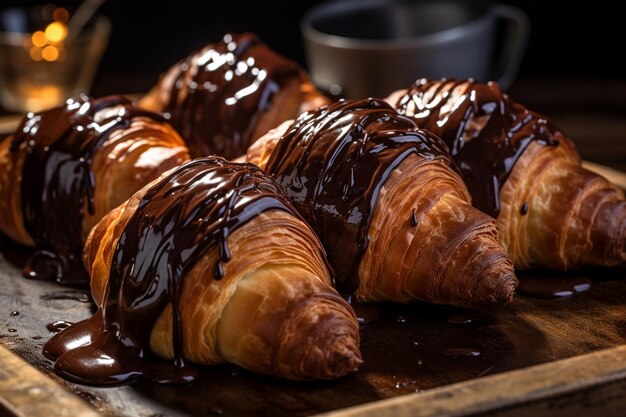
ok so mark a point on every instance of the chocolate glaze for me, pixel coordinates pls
(57, 326)
(485, 155)
(76, 295)
(216, 108)
(14, 253)
(524, 209)
(58, 185)
(365, 312)
(178, 220)
(332, 163)
(458, 319)
(458, 352)
(552, 284)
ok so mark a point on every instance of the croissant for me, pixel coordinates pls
(229, 93)
(388, 206)
(521, 169)
(65, 168)
(208, 264)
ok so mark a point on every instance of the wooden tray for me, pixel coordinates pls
(577, 343)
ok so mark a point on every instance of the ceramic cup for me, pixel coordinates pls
(369, 48)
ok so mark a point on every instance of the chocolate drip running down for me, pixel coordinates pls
(177, 221)
(220, 92)
(58, 185)
(333, 162)
(484, 128)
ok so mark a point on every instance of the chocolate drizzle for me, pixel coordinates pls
(487, 153)
(57, 183)
(179, 219)
(220, 92)
(524, 209)
(332, 164)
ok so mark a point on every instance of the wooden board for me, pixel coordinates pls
(404, 350)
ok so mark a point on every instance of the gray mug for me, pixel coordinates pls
(369, 48)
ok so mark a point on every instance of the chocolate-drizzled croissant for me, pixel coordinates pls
(231, 92)
(209, 264)
(521, 169)
(389, 208)
(65, 168)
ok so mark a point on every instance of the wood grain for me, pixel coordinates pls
(505, 390)
(26, 392)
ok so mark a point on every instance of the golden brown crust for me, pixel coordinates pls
(289, 102)
(11, 218)
(575, 217)
(125, 162)
(452, 256)
(274, 311)
(297, 95)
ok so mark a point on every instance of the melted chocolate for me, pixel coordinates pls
(217, 106)
(458, 352)
(366, 312)
(179, 219)
(58, 185)
(524, 209)
(552, 284)
(14, 253)
(57, 326)
(82, 296)
(332, 164)
(458, 319)
(485, 155)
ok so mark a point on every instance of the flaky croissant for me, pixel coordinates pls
(231, 92)
(521, 169)
(384, 199)
(208, 264)
(65, 168)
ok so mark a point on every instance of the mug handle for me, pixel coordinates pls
(514, 43)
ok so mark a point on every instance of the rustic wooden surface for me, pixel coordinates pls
(404, 349)
(26, 392)
(552, 389)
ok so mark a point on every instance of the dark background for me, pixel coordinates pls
(580, 41)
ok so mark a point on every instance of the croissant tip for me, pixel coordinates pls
(499, 285)
(507, 289)
(345, 359)
(608, 235)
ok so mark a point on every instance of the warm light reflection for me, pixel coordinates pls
(35, 53)
(56, 32)
(39, 39)
(61, 15)
(48, 44)
(50, 53)
(39, 97)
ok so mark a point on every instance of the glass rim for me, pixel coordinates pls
(101, 28)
